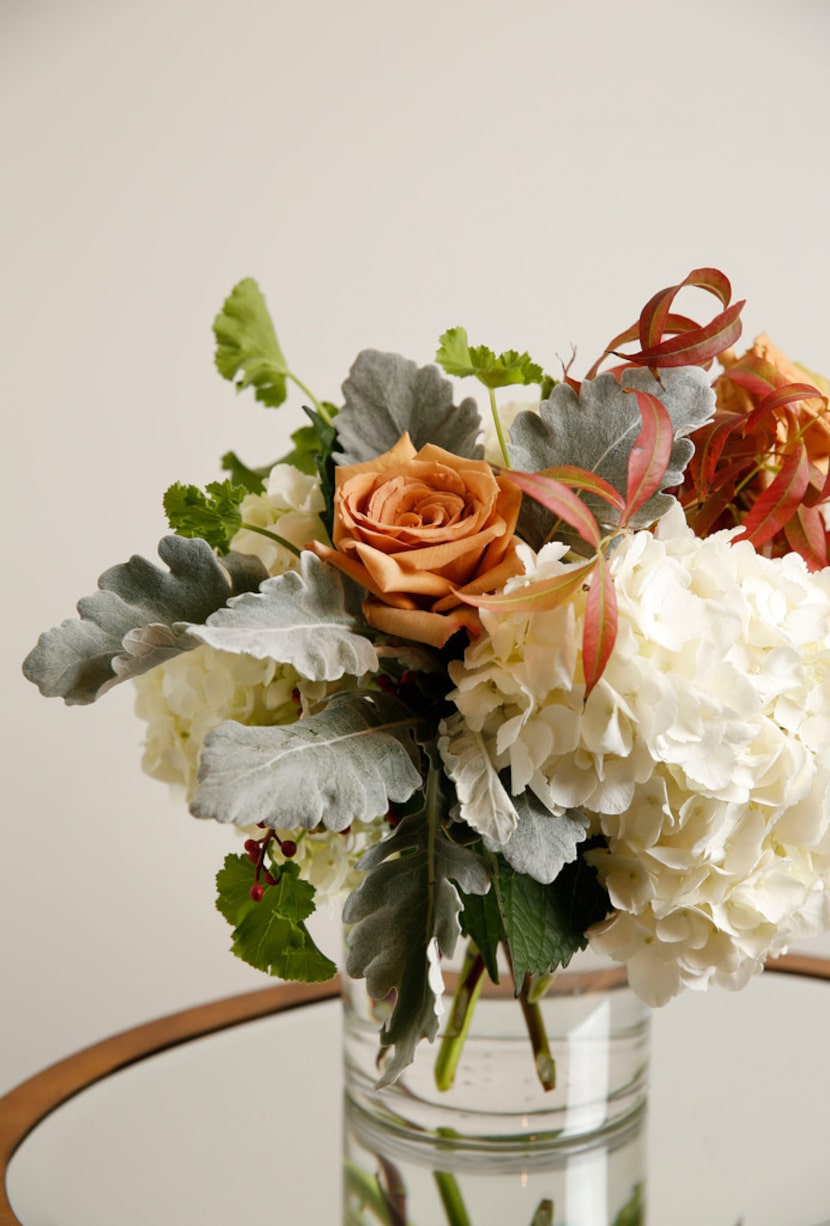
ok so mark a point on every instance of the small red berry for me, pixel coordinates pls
(384, 683)
(288, 848)
(408, 677)
(252, 845)
(256, 892)
(346, 830)
(268, 878)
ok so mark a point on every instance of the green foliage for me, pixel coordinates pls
(212, 514)
(546, 924)
(270, 934)
(633, 1212)
(253, 479)
(405, 901)
(481, 920)
(457, 357)
(247, 350)
(324, 463)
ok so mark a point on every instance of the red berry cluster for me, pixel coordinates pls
(256, 850)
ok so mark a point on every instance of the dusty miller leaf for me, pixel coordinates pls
(387, 396)
(344, 763)
(543, 842)
(406, 900)
(140, 617)
(298, 618)
(483, 802)
(597, 431)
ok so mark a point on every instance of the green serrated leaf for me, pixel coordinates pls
(270, 934)
(458, 357)
(481, 919)
(253, 479)
(546, 924)
(211, 514)
(247, 350)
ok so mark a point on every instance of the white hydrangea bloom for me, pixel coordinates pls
(290, 506)
(703, 754)
(187, 697)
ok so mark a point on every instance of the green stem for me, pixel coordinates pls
(320, 408)
(494, 409)
(272, 536)
(451, 1199)
(366, 1191)
(467, 992)
(544, 1061)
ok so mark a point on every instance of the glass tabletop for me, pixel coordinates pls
(243, 1122)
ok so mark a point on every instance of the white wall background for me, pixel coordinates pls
(534, 170)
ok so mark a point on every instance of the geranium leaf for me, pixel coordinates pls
(406, 901)
(212, 514)
(300, 618)
(543, 842)
(386, 396)
(344, 763)
(546, 924)
(600, 629)
(457, 357)
(779, 501)
(649, 457)
(597, 429)
(140, 617)
(560, 500)
(270, 934)
(247, 350)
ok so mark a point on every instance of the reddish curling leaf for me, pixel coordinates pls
(538, 597)
(650, 454)
(819, 489)
(590, 483)
(779, 501)
(807, 535)
(562, 501)
(695, 348)
(600, 630)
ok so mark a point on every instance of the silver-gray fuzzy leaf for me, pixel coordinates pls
(139, 617)
(299, 618)
(406, 900)
(543, 841)
(597, 431)
(343, 764)
(386, 396)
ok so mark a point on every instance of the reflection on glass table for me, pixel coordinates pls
(243, 1122)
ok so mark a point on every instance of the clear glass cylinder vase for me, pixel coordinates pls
(498, 1149)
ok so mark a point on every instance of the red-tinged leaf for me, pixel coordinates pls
(581, 479)
(779, 501)
(819, 488)
(710, 448)
(757, 380)
(600, 630)
(538, 597)
(562, 501)
(789, 393)
(654, 316)
(707, 515)
(807, 535)
(650, 454)
(695, 348)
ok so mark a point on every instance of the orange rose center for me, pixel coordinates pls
(404, 503)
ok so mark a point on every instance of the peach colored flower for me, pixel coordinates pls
(767, 360)
(418, 530)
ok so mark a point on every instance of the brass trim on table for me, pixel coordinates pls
(23, 1108)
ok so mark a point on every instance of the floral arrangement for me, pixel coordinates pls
(558, 679)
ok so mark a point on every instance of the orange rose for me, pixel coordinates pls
(418, 530)
(768, 361)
